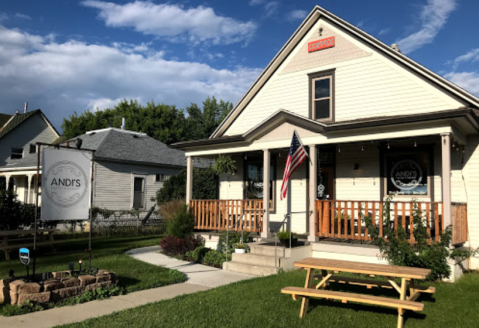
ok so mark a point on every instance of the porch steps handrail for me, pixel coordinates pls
(233, 226)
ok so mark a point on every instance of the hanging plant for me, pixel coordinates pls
(224, 164)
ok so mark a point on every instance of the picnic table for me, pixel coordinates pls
(407, 289)
(27, 240)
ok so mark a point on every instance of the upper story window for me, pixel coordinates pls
(33, 148)
(322, 95)
(17, 153)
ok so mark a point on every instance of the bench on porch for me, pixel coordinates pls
(406, 274)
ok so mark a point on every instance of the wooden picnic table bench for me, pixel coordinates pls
(328, 267)
(20, 242)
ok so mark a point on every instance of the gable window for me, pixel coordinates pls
(161, 177)
(17, 153)
(33, 149)
(322, 95)
(138, 192)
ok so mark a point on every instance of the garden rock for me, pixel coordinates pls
(37, 298)
(13, 297)
(86, 280)
(15, 284)
(50, 285)
(61, 274)
(63, 293)
(4, 295)
(28, 288)
(71, 282)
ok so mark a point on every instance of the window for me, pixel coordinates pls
(322, 95)
(138, 192)
(33, 149)
(254, 180)
(408, 173)
(161, 177)
(17, 153)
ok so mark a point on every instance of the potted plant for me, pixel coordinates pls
(283, 237)
(240, 248)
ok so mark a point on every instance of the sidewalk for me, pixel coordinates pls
(200, 277)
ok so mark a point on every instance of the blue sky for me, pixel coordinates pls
(65, 56)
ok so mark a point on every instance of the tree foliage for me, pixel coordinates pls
(205, 186)
(165, 123)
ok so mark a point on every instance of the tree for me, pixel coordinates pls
(165, 123)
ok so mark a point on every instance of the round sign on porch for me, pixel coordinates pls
(406, 174)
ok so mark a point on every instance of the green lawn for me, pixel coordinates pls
(108, 253)
(259, 303)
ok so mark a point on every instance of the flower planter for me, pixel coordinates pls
(240, 250)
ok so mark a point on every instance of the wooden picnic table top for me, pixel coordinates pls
(22, 232)
(364, 268)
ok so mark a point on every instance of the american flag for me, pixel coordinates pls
(296, 156)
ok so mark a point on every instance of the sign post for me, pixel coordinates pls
(24, 255)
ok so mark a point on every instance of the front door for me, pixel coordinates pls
(325, 190)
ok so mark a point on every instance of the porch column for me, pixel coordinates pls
(7, 181)
(446, 177)
(29, 181)
(266, 196)
(313, 183)
(189, 179)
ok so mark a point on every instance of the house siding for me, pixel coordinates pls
(365, 87)
(33, 130)
(113, 186)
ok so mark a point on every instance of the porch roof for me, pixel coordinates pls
(325, 128)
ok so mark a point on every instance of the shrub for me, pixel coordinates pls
(198, 254)
(182, 224)
(205, 186)
(396, 248)
(170, 209)
(284, 235)
(233, 239)
(215, 258)
(178, 247)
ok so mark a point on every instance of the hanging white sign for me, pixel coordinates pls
(65, 184)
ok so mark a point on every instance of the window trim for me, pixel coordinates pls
(141, 176)
(319, 76)
(161, 177)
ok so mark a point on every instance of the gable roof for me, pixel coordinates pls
(468, 99)
(127, 146)
(17, 119)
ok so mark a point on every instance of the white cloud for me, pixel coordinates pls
(270, 7)
(472, 55)
(297, 15)
(73, 75)
(433, 17)
(466, 80)
(384, 31)
(23, 16)
(174, 22)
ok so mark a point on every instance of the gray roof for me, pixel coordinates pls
(127, 146)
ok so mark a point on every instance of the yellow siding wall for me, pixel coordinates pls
(471, 175)
(365, 87)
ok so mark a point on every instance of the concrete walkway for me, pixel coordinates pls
(200, 277)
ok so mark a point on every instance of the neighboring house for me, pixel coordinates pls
(19, 134)
(375, 123)
(130, 167)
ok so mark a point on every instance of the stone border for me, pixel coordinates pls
(62, 286)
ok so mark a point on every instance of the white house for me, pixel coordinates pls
(19, 134)
(375, 123)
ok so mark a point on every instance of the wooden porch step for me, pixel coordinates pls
(351, 297)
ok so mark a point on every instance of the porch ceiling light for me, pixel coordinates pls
(356, 167)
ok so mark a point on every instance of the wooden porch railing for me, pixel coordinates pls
(459, 223)
(222, 214)
(341, 219)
